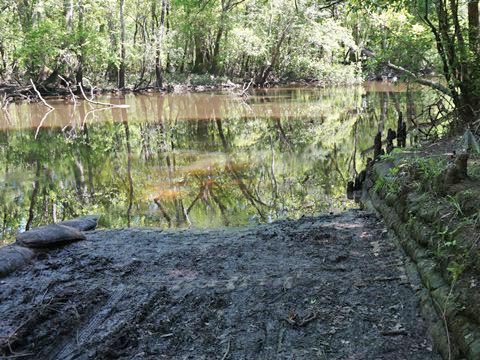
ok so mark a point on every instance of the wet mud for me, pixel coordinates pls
(328, 287)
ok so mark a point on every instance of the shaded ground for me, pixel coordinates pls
(330, 287)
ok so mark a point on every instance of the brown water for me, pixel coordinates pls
(200, 160)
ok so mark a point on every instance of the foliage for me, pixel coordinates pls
(278, 38)
(436, 43)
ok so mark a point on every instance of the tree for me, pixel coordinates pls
(160, 33)
(459, 57)
(457, 47)
(121, 69)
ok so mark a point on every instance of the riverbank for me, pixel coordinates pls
(328, 287)
(178, 83)
(17, 93)
(429, 197)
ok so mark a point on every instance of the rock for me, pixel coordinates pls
(49, 236)
(84, 223)
(13, 258)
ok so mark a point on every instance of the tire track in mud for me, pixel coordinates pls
(66, 350)
(126, 308)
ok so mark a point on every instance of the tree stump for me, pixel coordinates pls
(377, 146)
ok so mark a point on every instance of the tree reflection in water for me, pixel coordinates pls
(179, 160)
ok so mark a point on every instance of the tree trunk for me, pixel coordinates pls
(167, 24)
(275, 56)
(158, 46)
(121, 70)
(112, 68)
(216, 50)
(33, 198)
(199, 60)
(79, 73)
(68, 10)
(473, 25)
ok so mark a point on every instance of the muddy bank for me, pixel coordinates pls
(16, 93)
(182, 84)
(329, 287)
(430, 199)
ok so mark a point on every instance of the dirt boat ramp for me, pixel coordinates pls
(326, 287)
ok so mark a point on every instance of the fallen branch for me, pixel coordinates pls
(420, 80)
(7, 115)
(245, 89)
(228, 350)
(16, 356)
(42, 121)
(413, 76)
(5, 101)
(394, 332)
(386, 279)
(302, 322)
(331, 4)
(70, 90)
(166, 335)
(123, 106)
(40, 96)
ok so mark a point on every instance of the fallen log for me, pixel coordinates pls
(84, 223)
(49, 236)
(14, 257)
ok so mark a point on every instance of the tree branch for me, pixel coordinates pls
(230, 6)
(327, 6)
(123, 106)
(40, 96)
(432, 84)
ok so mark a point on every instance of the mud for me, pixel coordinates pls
(329, 287)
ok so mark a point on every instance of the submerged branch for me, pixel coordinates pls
(123, 106)
(42, 121)
(40, 96)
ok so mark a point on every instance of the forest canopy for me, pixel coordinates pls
(147, 43)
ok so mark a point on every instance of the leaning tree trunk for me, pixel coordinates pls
(275, 56)
(216, 50)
